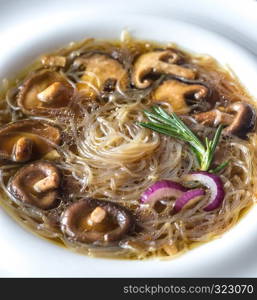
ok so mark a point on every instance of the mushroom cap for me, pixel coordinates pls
(158, 62)
(38, 136)
(22, 185)
(38, 82)
(53, 60)
(102, 73)
(244, 120)
(176, 92)
(74, 222)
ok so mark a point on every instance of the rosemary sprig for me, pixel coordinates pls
(219, 167)
(172, 125)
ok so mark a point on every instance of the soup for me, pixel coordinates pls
(127, 149)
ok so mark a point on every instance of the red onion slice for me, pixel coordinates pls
(187, 197)
(162, 189)
(215, 185)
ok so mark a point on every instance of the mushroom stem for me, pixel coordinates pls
(47, 183)
(97, 216)
(50, 93)
(214, 118)
(52, 155)
(53, 61)
(22, 149)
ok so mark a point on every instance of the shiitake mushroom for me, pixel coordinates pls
(37, 184)
(239, 117)
(101, 72)
(96, 221)
(25, 140)
(44, 92)
(158, 62)
(176, 93)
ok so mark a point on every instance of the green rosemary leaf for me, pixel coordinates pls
(220, 167)
(172, 125)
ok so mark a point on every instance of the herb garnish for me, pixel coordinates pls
(172, 125)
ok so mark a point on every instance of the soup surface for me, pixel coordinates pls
(127, 149)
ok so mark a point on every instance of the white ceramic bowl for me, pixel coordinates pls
(34, 32)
